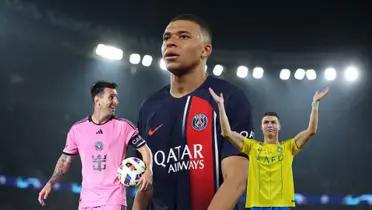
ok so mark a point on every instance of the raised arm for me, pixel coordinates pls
(234, 168)
(233, 137)
(61, 168)
(303, 137)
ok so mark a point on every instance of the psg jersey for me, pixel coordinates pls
(184, 137)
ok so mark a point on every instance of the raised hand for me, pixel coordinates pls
(320, 94)
(218, 99)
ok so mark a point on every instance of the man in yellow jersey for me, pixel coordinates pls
(270, 180)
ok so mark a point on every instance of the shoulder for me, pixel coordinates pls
(80, 123)
(156, 97)
(124, 122)
(289, 141)
(252, 141)
(223, 85)
(231, 93)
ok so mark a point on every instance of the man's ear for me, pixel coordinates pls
(207, 50)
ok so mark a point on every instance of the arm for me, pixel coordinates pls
(142, 199)
(304, 136)
(61, 168)
(146, 180)
(234, 171)
(233, 137)
(234, 168)
(143, 196)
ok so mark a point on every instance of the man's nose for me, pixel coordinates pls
(116, 101)
(171, 42)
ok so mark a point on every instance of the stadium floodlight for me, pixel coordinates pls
(258, 72)
(147, 60)
(217, 70)
(285, 74)
(311, 74)
(330, 74)
(300, 74)
(351, 74)
(162, 64)
(134, 58)
(242, 72)
(109, 52)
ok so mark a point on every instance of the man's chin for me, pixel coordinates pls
(110, 113)
(177, 70)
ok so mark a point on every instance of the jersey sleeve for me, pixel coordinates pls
(133, 137)
(292, 146)
(247, 145)
(71, 145)
(238, 110)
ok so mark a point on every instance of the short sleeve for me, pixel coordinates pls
(71, 145)
(247, 145)
(292, 146)
(132, 136)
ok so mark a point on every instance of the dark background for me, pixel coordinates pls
(48, 64)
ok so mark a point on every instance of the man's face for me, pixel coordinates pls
(270, 126)
(184, 46)
(107, 101)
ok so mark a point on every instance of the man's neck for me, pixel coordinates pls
(271, 139)
(100, 118)
(187, 83)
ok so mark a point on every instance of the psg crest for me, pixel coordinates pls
(199, 122)
(99, 146)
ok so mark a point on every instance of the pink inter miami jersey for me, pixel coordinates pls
(101, 149)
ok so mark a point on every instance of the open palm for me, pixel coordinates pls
(320, 94)
(218, 99)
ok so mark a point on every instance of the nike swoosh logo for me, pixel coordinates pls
(153, 131)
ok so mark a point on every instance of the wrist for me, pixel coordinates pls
(51, 183)
(315, 104)
(148, 170)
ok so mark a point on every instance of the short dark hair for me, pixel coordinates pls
(204, 26)
(271, 114)
(99, 86)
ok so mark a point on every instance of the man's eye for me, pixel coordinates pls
(184, 37)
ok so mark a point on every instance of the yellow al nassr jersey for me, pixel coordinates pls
(270, 179)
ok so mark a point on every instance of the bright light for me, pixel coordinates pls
(134, 58)
(109, 52)
(311, 74)
(258, 73)
(285, 74)
(351, 73)
(242, 72)
(330, 74)
(300, 74)
(147, 60)
(217, 70)
(162, 64)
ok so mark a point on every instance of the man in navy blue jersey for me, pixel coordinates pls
(194, 167)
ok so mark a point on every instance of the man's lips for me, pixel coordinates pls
(170, 55)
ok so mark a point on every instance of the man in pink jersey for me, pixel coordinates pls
(101, 141)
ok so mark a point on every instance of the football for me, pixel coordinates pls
(130, 171)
